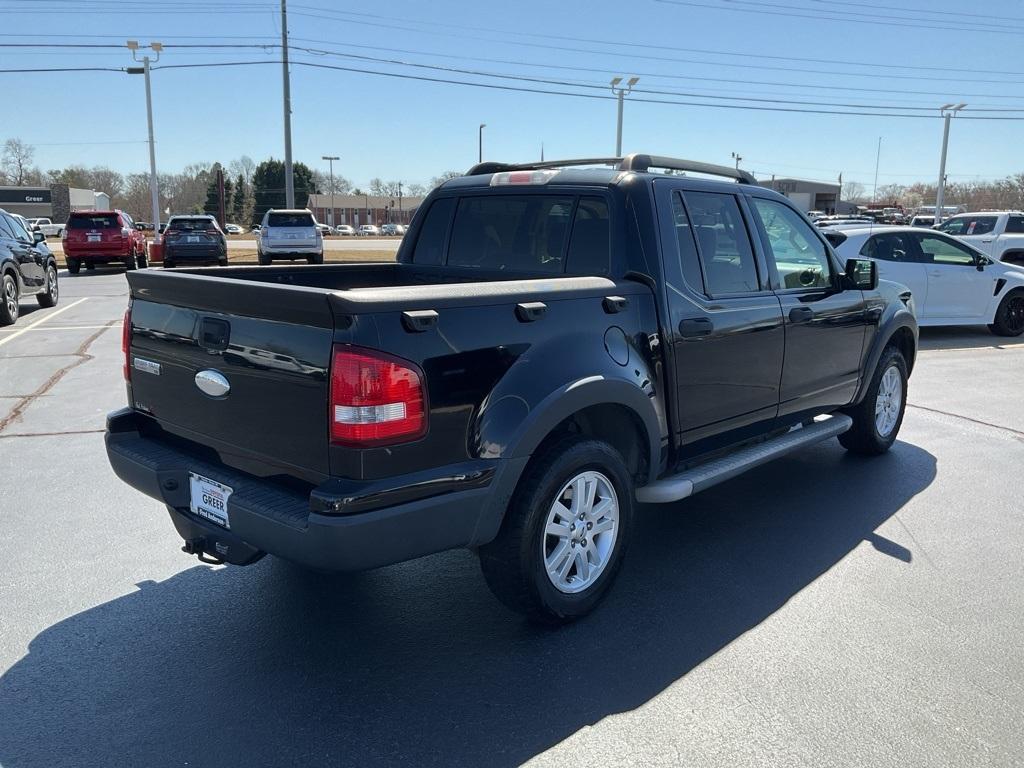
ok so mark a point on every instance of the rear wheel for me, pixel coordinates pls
(878, 417)
(263, 260)
(74, 267)
(222, 262)
(8, 299)
(564, 534)
(1009, 320)
(318, 259)
(49, 297)
(131, 263)
(143, 261)
(168, 264)
(90, 266)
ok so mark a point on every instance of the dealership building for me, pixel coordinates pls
(363, 209)
(811, 195)
(54, 202)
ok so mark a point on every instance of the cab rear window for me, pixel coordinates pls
(524, 233)
(78, 221)
(290, 220)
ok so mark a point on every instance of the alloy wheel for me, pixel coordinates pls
(580, 532)
(888, 401)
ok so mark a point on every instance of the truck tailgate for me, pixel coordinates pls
(273, 418)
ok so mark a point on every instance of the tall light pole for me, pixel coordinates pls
(289, 173)
(154, 194)
(737, 158)
(480, 143)
(878, 157)
(621, 94)
(330, 159)
(947, 111)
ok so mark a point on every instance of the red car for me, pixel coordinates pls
(103, 237)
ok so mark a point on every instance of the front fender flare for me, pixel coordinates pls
(901, 318)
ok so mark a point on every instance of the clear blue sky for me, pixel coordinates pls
(907, 53)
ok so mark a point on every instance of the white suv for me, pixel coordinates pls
(289, 234)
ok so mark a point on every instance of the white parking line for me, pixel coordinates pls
(41, 320)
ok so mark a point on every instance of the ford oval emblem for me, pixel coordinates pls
(212, 383)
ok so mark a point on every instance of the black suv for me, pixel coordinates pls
(27, 268)
(553, 345)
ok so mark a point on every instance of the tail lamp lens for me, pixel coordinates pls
(126, 341)
(375, 399)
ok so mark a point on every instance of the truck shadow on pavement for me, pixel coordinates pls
(417, 664)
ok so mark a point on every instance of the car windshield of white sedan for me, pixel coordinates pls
(969, 225)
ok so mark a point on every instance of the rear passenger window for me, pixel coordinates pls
(524, 233)
(1015, 225)
(590, 244)
(430, 241)
(686, 245)
(723, 242)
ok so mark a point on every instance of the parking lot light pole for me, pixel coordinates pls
(948, 111)
(330, 159)
(480, 143)
(289, 173)
(621, 94)
(133, 46)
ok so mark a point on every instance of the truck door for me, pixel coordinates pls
(726, 329)
(825, 321)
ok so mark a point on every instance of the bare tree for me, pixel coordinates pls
(854, 191)
(342, 186)
(439, 180)
(415, 190)
(243, 166)
(17, 161)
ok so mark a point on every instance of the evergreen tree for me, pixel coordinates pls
(268, 186)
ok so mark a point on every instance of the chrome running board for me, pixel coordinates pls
(696, 479)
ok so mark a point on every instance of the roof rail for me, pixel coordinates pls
(634, 162)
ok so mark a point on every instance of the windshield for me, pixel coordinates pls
(969, 225)
(290, 220)
(103, 221)
(191, 225)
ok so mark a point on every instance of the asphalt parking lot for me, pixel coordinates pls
(823, 610)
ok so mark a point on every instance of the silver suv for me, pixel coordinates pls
(289, 234)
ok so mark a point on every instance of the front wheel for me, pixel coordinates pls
(50, 295)
(878, 417)
(564, 534)
(1009, 320)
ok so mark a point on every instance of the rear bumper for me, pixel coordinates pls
(285, 249)
(197, 253)
(341, 526)
(96, 254)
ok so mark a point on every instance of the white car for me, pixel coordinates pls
(368, 230)
(47, 227)
(289, 234)
(345, 230)
(324, 229)
(926, 222)
(951, 282)
(999, 234)
(233, 229)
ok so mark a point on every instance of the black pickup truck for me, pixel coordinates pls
(555, 344)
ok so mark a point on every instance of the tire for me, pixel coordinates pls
(1009, 320)
(318, 259)
(49, 297)
(514, 564)
(877, 423)
(90, 266)
(74, 266)
(263, 260)
(9, 297)
(131, 263)
(143, 261)
(222, 262)
(168, 264)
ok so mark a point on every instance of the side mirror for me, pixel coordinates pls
(38, 237)
(862, 274)
(983, 261)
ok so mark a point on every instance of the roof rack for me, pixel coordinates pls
(634, 162)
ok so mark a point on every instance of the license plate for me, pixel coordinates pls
(95, 238)
(193, 238)
(209, 499)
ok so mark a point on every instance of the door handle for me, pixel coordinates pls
(699, 326)
(801, 314)
(989, 240)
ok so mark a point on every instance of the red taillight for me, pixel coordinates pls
(375, 398)
(126, 341)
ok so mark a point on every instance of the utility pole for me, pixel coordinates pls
(621, 94)
(480, 143)
(737, 158)
(330, 159)
(947, 111)
(154, 192)
(878, 157)
(401, 219)
(289, 173)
